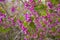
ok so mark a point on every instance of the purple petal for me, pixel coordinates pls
(49, 4)
(2, 0)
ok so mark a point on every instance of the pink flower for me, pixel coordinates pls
(49, 4)
(39, 0)
(22, 26)
(31, 8)
(58, 29)
(31, 1)
(13, 9)
(37, 23)
(28, 17)
(26, 5)
(2, 16)
(34, 35)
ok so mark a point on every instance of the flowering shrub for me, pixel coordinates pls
(37, 19)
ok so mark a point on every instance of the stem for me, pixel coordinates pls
(17, 35)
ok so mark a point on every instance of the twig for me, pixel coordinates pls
(17, 35)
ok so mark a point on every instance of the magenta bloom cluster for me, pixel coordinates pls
(40, 21)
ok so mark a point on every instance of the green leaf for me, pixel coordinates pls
(21, 18)
(32, 25)
(3, 11)
(57, 36)
(4, 30)
(15, 19)
(43, 13)
(25, 23)
(50, 11)
(55, 2)
(31, 30)
(40, 7)
(32, 18)
(53, 29)
(36, 0)
(59, 19)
